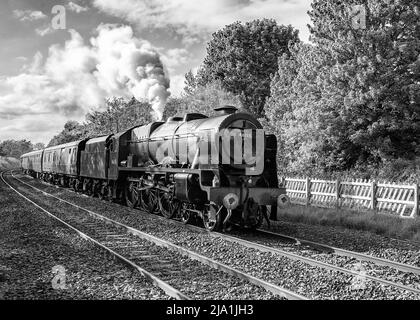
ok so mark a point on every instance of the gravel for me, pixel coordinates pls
(354, 240)
(310, 281)
(372, 269)
(192, 278)
(32, 244)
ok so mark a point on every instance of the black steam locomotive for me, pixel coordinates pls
(221, 169)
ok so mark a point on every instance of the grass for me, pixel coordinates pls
(8, 163)
(381, 224)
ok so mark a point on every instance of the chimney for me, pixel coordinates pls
(226, 109)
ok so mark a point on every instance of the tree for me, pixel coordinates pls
(243, 57)
(353, 97)
(204, 99)
(190, 82)
(374, 79)
(39, 146)
(72, 131)
(15, 148)
(118, 116)
(294, 111)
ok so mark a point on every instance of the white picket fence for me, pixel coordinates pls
(402, 200)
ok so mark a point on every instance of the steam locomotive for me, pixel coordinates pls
(219, 169)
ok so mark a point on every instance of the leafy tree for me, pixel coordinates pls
(374, 79)
(72, 131)
(118, 116)
(294, 111)
(39, 146)
(15, 148)
(174, 107)
(243, 57)
(190, 82)
(353, 97)
(202, 100)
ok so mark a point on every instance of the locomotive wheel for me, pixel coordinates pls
(131, 195)
(149, 200)
(185, 216)
(212, 218)
(167, 204)
(104, 194)
(260, 215)
(88, 187)
(96, 189)
(76, 185)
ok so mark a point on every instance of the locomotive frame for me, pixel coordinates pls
(159, 168)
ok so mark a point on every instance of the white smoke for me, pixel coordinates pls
(126, 62)
(79, 76)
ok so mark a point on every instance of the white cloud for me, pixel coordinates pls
(36, 64)
(75, 77)
(197, 19)
(76, 8)
(174, 58)
(43, 31)
(28, 15)
(177, 85)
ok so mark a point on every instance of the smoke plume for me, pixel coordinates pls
(78, 76)
(126, 62)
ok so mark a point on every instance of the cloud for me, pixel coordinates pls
(77, 76)
(43, 31)
(177, 85)
(175, 57)
(76, 8)
(198, 19)
(36, 128)
(28, 15)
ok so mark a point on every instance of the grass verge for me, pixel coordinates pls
(378, 223)
(8, 163)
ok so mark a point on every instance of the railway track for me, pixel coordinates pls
(343, 252)
(165, 264)
(320, 247)
(325, 265)
(171, 291)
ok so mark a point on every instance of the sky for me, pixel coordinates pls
(62, 59)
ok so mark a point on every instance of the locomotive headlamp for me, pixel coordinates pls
(231, 201)
(283, 201)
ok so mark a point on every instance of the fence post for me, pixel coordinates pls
(337, 192)
(416, 200)
(373, 196)
(283, 182)
(308, 191)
